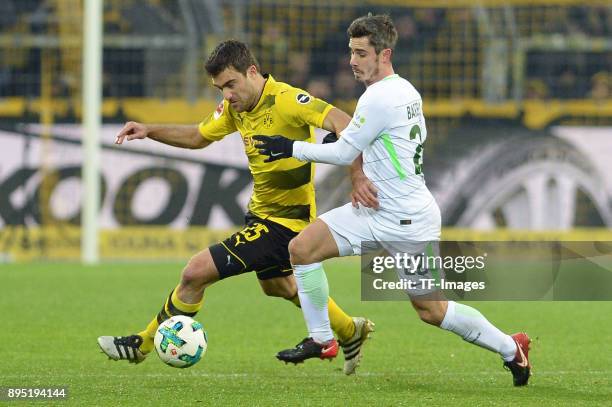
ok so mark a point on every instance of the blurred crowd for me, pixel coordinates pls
(550, 73)
(569, 75)
(439, 50)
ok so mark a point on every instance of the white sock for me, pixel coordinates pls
(473, 327)
(314, 294)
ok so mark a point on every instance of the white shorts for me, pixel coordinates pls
(351, 226)
(396, 232)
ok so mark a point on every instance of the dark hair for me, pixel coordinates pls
(230, 53)
(379, 29)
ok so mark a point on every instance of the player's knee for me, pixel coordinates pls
(269, 291)
(298, 251)
(198, 272)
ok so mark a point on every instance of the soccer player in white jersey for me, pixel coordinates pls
(387, 132)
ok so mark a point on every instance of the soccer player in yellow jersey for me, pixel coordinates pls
(282, 203)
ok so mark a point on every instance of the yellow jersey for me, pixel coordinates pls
(283, 190)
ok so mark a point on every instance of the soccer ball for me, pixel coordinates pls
(180, 341)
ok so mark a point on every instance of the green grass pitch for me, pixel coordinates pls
(52, 314)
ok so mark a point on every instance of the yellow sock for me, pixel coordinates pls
(340, 322)
(147, 338)
(173, 306)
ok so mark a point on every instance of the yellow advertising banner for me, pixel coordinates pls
(153, 243)
(63, 243)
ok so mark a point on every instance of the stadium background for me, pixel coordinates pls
(519, 110)
(517, 96)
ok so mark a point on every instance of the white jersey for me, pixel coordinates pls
(389, 127)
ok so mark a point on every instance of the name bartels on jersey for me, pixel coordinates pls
(414, 110)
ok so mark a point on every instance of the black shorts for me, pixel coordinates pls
(261, 246)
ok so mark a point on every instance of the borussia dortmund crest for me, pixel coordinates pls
(267, 120)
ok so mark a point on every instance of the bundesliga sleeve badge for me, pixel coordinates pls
(303, 98)
(218, 111)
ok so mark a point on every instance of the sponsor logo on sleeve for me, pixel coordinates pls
(303, 98)
(358, 120)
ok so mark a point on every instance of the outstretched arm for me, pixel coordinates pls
(367, 123)
(177, 136)
(339, 153)
(279, 147)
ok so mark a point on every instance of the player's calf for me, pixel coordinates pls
(199, 273)
(282, 287)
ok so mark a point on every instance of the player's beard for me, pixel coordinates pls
(243, 104)
(370, 79)
(250, 101)
(374, 73)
